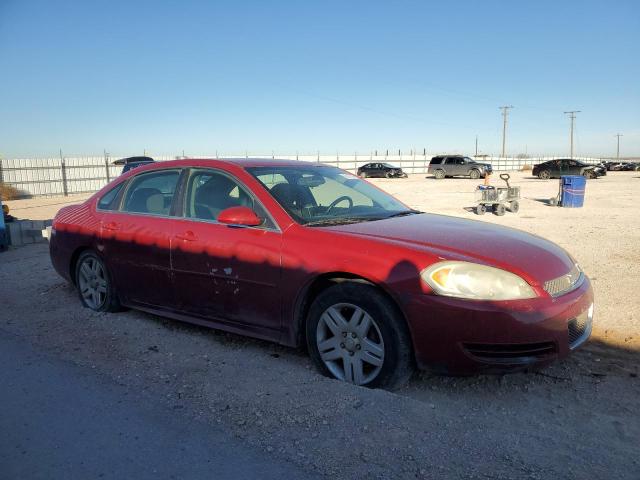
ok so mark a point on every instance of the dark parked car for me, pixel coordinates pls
(567, 166)
(133, 162)
(622, 166)
(380, 170)
(304, 253)
(443, 166)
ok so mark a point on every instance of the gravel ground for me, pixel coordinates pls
(576, 419)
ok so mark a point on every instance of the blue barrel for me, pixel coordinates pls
(573, 187)
(4, 239)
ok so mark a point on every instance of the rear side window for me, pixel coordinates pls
(151, 192)
(436, 161)
(108, 200)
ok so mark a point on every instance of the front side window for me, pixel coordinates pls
(152, 192)
(210, 192)
(322, 195)
(108, 200)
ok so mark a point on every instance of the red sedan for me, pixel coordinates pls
(302, 253)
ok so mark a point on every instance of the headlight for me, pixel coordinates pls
(476, 282)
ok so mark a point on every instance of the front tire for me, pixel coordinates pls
(499, 210)
(94, 284)
(544, 175)
(355, 334)
(514, 206)
(474, 174)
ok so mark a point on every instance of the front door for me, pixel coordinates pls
(135, 239)
(225, 273)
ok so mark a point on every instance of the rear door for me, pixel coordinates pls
(454, 166)
(135, 239)
(225, 273)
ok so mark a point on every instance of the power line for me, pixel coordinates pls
(618, 135)
(572, 116)
(505, 114)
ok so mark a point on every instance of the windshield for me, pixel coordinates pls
(388, 165)
(469, 160)
(322, 195)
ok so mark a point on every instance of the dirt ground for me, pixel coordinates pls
(576, 419)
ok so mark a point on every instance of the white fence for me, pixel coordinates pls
(69, 175)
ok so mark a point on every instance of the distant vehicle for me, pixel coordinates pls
(380, 170)
(622, 166)
(567, 166)
(443, 166)
(133, 162)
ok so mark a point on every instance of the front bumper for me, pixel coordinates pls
(460, 337)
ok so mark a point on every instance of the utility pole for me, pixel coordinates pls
(572, 116)
(505, 114)
(618, 149)
(476, 145)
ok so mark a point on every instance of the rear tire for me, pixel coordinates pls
(499, 210)
(362, 175)
(94, 283)
(514, 206)
(474, 174)
(354, 324)
(481, 209)
(439, 174)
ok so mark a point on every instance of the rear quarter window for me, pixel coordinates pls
(436, 161)
(108, 200)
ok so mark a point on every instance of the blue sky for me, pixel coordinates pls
(304, 76)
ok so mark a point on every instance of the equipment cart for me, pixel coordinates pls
(498, 199)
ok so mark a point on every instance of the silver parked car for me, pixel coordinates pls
(443, 166)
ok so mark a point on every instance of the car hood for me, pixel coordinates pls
(533, 258)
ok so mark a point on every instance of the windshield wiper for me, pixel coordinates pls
(338, 221)
(404, 213)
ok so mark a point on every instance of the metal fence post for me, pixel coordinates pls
(63, 168)
(106, 165)
(1, 174)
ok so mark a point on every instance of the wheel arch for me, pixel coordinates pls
(323, 281)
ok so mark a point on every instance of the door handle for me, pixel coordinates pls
(111, 226)
(187, 236)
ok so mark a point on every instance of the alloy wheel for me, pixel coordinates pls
(350, 343)
(92, 282)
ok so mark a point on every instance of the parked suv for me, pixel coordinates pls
(133, 162)
(443, 166)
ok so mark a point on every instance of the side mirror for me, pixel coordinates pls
(241, 216)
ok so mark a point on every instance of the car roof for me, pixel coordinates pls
(241, 162)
